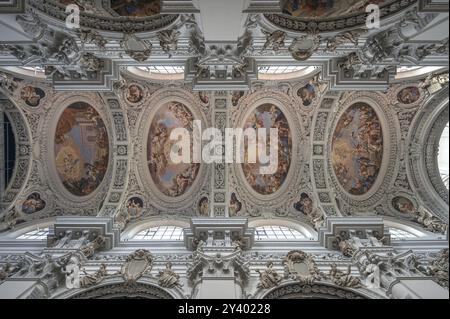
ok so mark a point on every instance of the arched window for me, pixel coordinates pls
(36, 234)
(278, 233)
(280, 69)
(160, 233)
(443, 161)
(400, 234)
(163, 69)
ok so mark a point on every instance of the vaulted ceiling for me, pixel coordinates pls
(361, 94)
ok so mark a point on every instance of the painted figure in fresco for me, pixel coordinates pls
(305, 205)
(403, 205)
(33, 204)
(134, 94)
(408, 95)
(135, 207)
(269, 116)
(307, 94)
(357, 149)
(32, 96)
(136, 8)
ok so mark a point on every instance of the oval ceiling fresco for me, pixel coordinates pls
(81, 149)
(268, 116)
(357, 149)
(170, 178)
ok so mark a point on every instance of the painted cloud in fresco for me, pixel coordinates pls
(357, 149)
(81, 149)
(269, 116)
(171, 179)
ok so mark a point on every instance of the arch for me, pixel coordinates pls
(143, 74)
(303, 228)
(27, 227)
(409, 227)
(114, 287)
(135, 228)
(300, 73)
(29, 73)
(23, 158)
(422, 164)
(416, 72)
(317, 290)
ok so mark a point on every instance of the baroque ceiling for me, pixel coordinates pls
(92, 90)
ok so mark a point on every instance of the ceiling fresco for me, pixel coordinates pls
(171, 179)
(81, 149)
(326, 8)
(136, 8)
(357, 149)
(268, 116)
